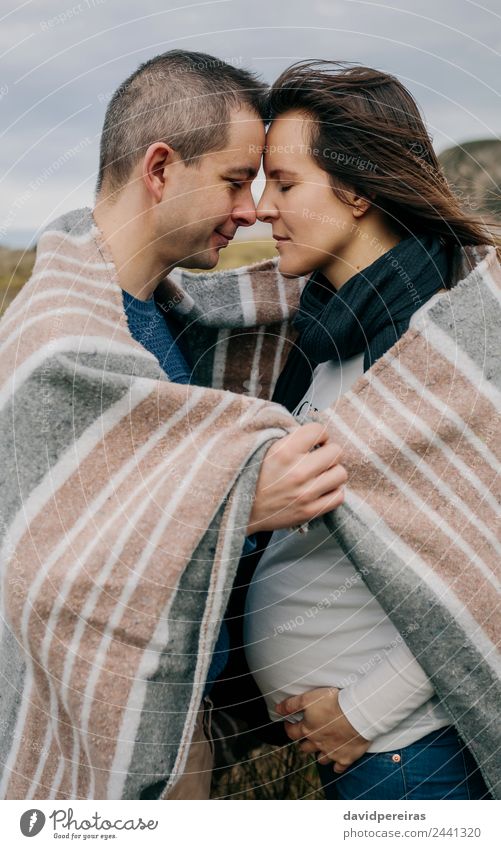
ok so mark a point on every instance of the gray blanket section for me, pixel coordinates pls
(76, 221)
(13, 671)
(473, 323)
(217, 304)
(47, 414)
(434, 637)
(117, 367)
(169, 691)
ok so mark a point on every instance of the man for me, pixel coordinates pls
(181, 144)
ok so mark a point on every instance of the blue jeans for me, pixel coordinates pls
(439, 766)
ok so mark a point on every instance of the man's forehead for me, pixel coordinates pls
(243, 161)
(239, 163)
(242, 154)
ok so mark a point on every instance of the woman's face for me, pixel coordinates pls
(312, 227)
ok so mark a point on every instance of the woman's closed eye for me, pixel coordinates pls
(285, 188)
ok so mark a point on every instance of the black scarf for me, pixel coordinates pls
(368, 314)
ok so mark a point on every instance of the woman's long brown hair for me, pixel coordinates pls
(366, 132)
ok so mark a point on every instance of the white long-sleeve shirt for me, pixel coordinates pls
(311, 621)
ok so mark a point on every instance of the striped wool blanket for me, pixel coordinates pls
(126, 499)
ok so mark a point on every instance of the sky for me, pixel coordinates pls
(61, 60)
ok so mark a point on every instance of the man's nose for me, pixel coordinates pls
(245, 216)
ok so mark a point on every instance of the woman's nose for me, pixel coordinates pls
(265, 211)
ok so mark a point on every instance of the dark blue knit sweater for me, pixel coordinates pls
(149, 325)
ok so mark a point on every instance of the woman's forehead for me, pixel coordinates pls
(293, 126)
(287, 148)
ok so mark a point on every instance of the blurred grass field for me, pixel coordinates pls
(16, 265)
(15, 268)
(269, 772)
(245, 253)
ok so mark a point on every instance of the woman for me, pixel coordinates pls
(355, 195)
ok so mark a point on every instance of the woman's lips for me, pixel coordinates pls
(280, 240)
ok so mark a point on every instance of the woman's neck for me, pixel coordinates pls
(368, 244)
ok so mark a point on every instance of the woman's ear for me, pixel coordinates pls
(360, 205)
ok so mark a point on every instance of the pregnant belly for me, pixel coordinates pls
(298, 636)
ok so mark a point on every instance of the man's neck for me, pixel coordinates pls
(138, 268)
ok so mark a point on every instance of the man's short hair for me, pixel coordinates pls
(181, 98)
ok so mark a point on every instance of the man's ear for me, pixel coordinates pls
(154, 168)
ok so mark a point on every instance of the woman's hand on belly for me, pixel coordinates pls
(324, 727)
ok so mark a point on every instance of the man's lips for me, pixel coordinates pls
(224, 237)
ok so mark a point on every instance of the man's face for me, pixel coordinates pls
(205, 204)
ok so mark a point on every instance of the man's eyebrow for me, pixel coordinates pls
(245, 171)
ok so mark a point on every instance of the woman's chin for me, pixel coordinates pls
(292, 269)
